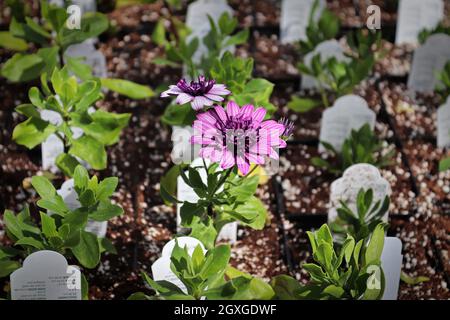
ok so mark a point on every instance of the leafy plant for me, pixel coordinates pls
(180, 50)
(236, 73)
(53, 37)
(327, 27)
(362, 223)
(340, 77)
(207, 276)
(353, 272)
(225, 198)
(361, 147)
(71, 101)
(62, 229)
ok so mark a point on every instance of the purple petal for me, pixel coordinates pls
(258, 115)
(199, 102)
(246, 111)
(219, 89)
(232, 109)
(221, 113)
(243, 165)
(184, 98)
(214, 97)
(227, 160)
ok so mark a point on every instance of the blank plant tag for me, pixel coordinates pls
(391, 263)
(70, 197)
(327, 49)
(161, 267)
(186, 193)
(86, 5)
(45, 275)
(346, 188)
(428, 61)
(443, 125)
(348, 112)
(197, 21)
(295, 18)
(416, 15)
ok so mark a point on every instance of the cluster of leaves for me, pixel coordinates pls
(362, 223)
(207, 275)
(425, 33)
(362, 146)
(340, 77)
(71, 101)
(53, 38)
(61, 228)
(343, 274)
(225, 198)
(317, 31)
(180, 49)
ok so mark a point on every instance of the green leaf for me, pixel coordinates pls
(90, 150)
(216, 261)
(128, 88)
(444, 164)
(31, 242)
(28, 110)
(107, 187)
(413, 280)
(7, 267)
(375, 246)
(92, 25)
(48, 226)
(106, 211)
(80, 69)
(87, 251)
(23, 67)
(67, 164)
(159, 33)
(204, 231)
(43, 186)
(303, 104)
(32, 132)
(8, 41)
(168, 184)
(285, 287)
(177, 115)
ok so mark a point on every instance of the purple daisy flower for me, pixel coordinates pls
(237, 136)
(199, 93)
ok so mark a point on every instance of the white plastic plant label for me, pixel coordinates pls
(391, 263)
(86, 5)
(428, 61)
(45, 275)
(443, 125)
(185, 242)
(161, 267)
(93, 57)
(70, 197)
(197, 21)
(186, 193)
(348, 113)
(183, 150)
(295, 18)
(52, 147)
(416, 15)
(327, 49)
(359, 176)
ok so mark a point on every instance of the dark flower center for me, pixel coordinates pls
(196, 88)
